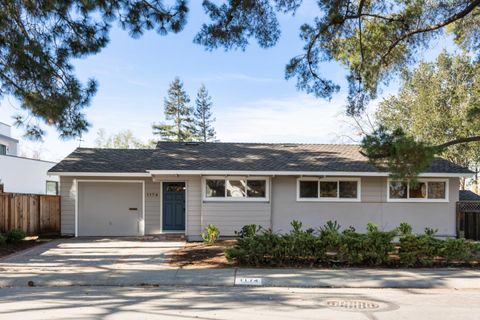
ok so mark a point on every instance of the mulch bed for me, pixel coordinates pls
(201, 255)
(10, 248)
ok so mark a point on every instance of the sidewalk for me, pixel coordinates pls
(308, 278)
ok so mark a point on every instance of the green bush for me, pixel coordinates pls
(419, 250)
(15, 235)
(249, 230)
(301, 247)
(330, 235)
(3, 239)
(211, 234)
(329, 246)
(298, 247)
(404, 229)
(458, 250)
(372, 248)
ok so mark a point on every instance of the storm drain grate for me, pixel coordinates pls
(352, 305)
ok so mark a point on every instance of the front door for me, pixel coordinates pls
(173, 206)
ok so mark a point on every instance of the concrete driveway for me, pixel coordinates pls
(89, 261)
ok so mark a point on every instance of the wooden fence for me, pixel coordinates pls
(468, 219)
(35, 214)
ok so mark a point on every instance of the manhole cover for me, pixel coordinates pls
(352, 305)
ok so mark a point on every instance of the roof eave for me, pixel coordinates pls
(100, 174)
(302, 173)
(150, 173)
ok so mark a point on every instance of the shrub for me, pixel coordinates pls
(15, 235)
(371, 248)
(458, 250)
(211, 234)
(3, 239)
(248, 231)
(404, 229)
(302, 247)
(297, 247)
(330, 235)
(259, 247)
(419, 249)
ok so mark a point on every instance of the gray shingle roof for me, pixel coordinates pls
(467, 195)
(229, 156)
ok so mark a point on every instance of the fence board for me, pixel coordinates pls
(33, 213)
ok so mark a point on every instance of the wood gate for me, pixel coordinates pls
(468, 220)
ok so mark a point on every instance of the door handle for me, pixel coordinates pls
(132, 209)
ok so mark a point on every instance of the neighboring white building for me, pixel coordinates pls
(20, 174)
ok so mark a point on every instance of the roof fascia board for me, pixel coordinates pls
(101, 174)
(149, 173)
(296, 173)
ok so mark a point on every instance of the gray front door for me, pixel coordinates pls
(173, 206)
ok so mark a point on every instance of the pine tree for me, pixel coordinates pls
(179, 113)
(204, 130)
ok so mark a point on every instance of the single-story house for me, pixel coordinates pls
(182, 187)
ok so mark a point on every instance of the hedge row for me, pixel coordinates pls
(329, 246)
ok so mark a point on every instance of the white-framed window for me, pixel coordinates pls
(235, 188)
(426, 190)
(328, 189)
(52, 187)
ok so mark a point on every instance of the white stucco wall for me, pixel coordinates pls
(12, 145)
(24, 175)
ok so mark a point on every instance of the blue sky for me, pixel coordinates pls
(252, 100)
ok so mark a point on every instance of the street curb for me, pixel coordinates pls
(238, 277)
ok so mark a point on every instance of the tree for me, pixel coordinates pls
(123, 139)
(38, 40)
(372, 40)
(203, 116)
(178, 111)
(437, 103)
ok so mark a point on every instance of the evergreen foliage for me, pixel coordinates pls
(203, 117)
(38, 40)
(179, 113)
(331, 247)
(437, 102)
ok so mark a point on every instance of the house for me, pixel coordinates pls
(183, 187)
(20, 174)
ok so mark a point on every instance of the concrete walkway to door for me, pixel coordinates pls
(134, 262)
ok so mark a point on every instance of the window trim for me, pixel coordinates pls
(408, 199)
(56, 188)
(330, 199)
(235, 199)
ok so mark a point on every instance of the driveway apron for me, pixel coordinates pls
(90, 261)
